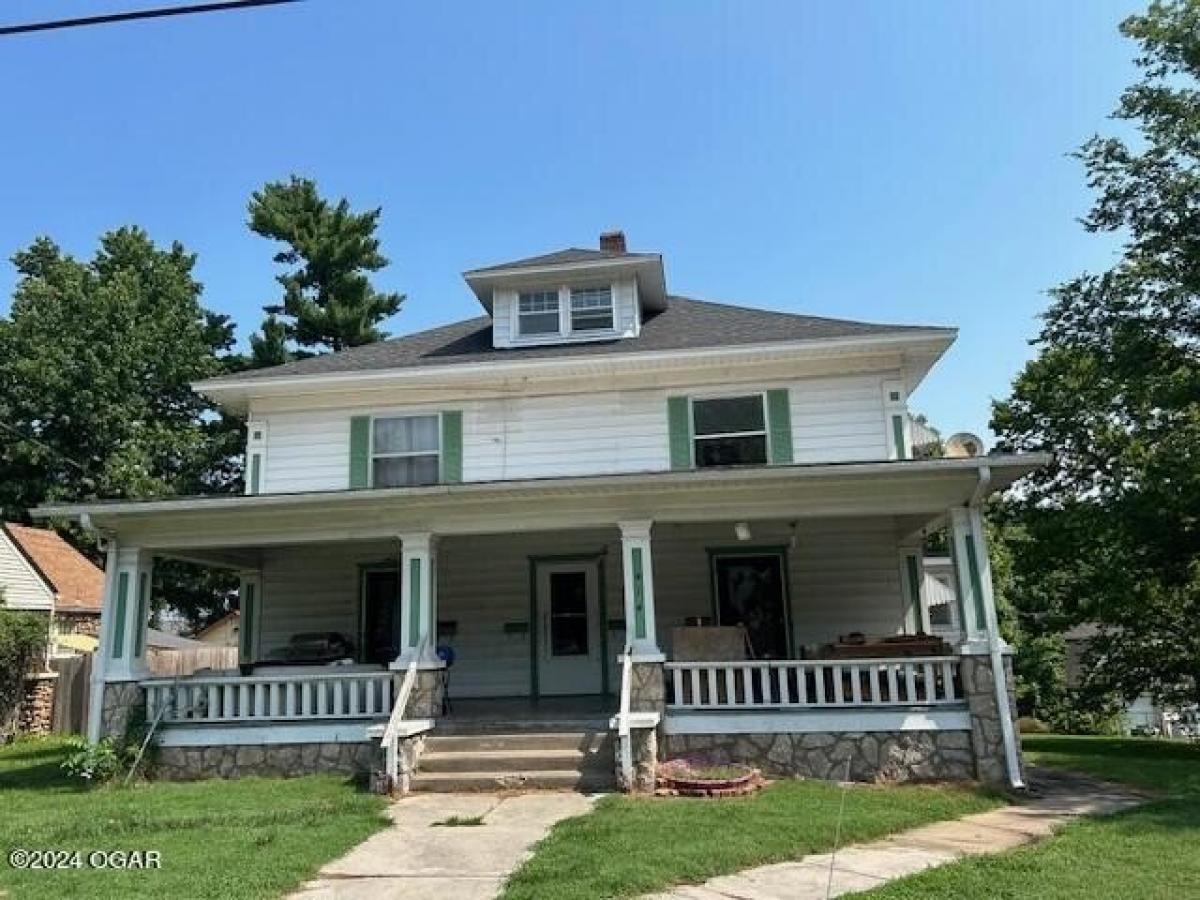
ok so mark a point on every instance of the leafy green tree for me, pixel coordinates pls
(328, 300)
(1110, 529)
(96, 361)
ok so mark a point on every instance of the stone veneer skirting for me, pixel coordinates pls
(281, 760)
(875, 756)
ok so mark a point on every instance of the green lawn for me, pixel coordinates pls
(632, 845)
(254, 837)
(1150, 852)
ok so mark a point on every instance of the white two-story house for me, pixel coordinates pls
(596, 506)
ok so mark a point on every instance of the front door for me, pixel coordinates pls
(568, 625)
(380, 628)
(750, 592)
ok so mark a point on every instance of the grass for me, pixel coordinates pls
(633, 845)
(250, 838)
(1149, 852)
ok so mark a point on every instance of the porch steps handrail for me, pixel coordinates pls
(623, 738)
(814, 684)
(224, 699)
(391, 732)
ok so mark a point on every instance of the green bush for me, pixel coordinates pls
(110, 757)
(23, 637)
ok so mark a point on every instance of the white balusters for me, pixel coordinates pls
(813, 683)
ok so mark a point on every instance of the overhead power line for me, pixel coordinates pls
(155, 13)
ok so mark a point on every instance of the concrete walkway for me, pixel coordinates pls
(1056, 799)
(416, 859)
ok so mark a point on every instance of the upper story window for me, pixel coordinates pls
(730, 431)
(592, 309)
(537, 313)
(405, 451)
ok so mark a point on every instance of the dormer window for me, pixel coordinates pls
(537, 313)
(592, 309)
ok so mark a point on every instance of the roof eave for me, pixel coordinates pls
(927, 346)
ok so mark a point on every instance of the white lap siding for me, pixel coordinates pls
(314, 588)
(834, 419)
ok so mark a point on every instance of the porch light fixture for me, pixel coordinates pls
(742, 531)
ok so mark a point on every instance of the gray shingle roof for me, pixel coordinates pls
(684, 325)
(562, 257)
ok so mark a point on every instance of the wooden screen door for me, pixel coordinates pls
(568, 622)
(750, 592)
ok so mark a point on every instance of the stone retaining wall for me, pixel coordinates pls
(283, 760)
(876, 756)
(35, 714)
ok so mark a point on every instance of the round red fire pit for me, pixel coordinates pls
(697, 778)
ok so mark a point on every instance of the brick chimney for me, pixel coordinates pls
(612, 242)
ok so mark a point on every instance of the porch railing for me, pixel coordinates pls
(304, 696)
(814, 684)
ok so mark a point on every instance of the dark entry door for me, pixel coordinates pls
(380, 627)
(750, 592)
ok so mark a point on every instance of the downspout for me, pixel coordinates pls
(995, 651)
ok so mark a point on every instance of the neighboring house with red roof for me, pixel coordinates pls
(41, 572)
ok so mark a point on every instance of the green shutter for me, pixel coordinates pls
(255, 472)
(360, 452)
(452, 451)
(898, 437)
(779, 427)
(679, 426)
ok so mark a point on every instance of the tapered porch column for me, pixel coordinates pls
(120, 660)
(418, 599)
(986, 668)
(640, 623)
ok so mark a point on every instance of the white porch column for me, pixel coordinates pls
(969, 559)
(418, 599)
(127, 611)
(912, 587)
(977, 605)
(638, 570)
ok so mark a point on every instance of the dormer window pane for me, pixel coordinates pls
(592, 309)
(537, 313)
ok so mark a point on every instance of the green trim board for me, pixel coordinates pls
(118, 643)
(913, 571)
(779, 550)
(414, 601)
(779, 427)
(976, 581)
(139, 634)
(600, 559)
(639, 593)
(249, 610)
(959, 596)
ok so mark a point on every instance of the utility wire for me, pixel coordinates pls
(155, 13)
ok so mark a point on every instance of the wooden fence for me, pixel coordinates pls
(169, 663)
(71, 693)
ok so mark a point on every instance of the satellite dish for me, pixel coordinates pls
(964, 444)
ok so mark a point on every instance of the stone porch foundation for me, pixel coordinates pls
(278, 760)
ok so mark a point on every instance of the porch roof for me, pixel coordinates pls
(918, 491)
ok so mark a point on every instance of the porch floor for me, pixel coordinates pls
(527, 713)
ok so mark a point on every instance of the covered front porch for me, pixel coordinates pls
(708, 614)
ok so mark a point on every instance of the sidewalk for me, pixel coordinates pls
(1058, 797)
(416, 859)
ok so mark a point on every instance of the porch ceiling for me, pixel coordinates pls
(918, 490)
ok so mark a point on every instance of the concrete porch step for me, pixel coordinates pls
(534, 779)
(557, 760)
(484, 742)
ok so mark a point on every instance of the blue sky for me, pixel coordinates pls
(884, 161)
